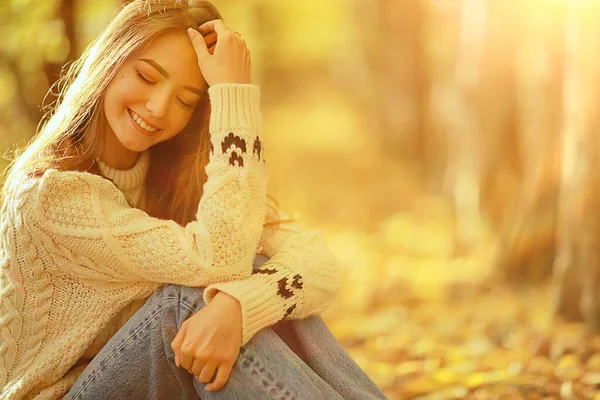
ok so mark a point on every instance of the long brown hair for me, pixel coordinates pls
(70, 136)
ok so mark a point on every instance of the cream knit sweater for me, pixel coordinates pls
(76, 261)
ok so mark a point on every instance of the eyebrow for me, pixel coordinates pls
(164, 73)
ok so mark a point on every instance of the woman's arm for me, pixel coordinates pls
(88, 227)
(300, 279)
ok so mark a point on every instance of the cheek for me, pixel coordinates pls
(178, 120)
(110, 105)
(121, 93)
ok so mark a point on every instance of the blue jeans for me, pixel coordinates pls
(138, 362)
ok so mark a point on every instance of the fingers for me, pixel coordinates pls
(211, 41)
(222, 376)
(198, 43)
(216, 25)
(207, 373)
(186, 361)
(176, 343)
(186, 355)
(197, 366)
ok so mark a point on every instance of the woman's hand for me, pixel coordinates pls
(229, 62)
(210, 340)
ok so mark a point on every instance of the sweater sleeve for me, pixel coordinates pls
(86, 223)
(300, 279)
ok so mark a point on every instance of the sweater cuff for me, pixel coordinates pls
(235, 107)
(258, 309)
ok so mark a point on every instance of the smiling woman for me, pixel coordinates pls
(138, 257)
(152, 98)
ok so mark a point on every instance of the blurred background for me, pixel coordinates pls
(447, 151)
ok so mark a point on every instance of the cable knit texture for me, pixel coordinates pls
(77, 261)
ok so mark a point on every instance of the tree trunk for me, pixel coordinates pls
(528, 238)
(459, 114)
(394, 78)
(578, 262)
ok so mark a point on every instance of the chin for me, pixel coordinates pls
(133, 144)
(138, 147)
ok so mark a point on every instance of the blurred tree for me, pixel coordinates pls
(527, 239)
(464, 143)
(396, 75)
(455, 148)
(578, 261)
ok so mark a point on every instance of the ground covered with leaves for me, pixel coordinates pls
(427, 322)
(474, 343)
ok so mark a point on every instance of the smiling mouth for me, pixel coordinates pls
(150, 129)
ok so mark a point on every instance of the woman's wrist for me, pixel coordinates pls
(225, 298)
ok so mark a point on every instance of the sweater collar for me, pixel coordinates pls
(128, 178)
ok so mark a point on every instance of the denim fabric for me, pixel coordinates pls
(138, 362)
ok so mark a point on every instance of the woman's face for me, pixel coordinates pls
(152, 96)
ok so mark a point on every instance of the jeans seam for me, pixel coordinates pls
(120, 346)
(266, 378)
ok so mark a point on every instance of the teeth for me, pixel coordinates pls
(141, 122)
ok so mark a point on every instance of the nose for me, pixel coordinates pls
(157, 104)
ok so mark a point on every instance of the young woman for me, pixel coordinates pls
(138, 258)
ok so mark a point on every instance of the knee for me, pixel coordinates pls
(189, 298)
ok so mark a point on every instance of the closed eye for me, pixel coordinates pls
(184, 103)
(152, 83)
(144, 79)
